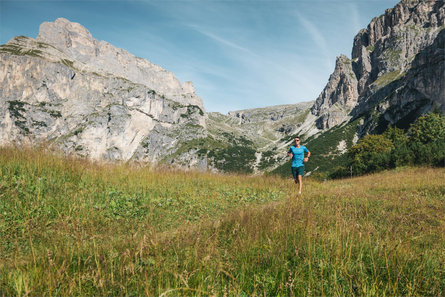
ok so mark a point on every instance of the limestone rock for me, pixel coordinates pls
(382, 54)
(92, 99)
(99, 56)
(338, 97)
(420, 90)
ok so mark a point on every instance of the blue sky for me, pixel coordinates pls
(238, 53)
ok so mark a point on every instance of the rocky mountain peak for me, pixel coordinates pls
(68, 36)
(100, 57)
(402, 28)
(381, 53)
(90, 98)
(338, 97)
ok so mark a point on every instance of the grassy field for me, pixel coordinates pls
(72, 227)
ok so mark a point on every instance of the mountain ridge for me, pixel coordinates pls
(49, 95)
(381, 53)
(89, 98)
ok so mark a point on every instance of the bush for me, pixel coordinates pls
(424, 144)
(429, 154)
(340, 171)
(428, 128)
(396, 135)
(371, 154)
(402, 155)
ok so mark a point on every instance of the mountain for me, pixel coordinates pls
(89, 98)
(396, 74)
(396, 71)
(92, 99)
(267, 132)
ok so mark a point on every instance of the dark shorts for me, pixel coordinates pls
(297, 171)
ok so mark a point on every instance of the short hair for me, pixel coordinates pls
(297, 137)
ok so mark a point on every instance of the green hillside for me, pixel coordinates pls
(73, 227)
(324, 148)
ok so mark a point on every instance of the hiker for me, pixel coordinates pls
(296, 152)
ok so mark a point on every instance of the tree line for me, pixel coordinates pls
(422, 144)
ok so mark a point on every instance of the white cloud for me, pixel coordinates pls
(220, 39)
(355, 17)
(317, 37)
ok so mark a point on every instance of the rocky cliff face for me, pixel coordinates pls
(419, 90)
(91, 98)
(101, 57)
(338, 97)
(386, 51)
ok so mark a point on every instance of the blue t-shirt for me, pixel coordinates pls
(297, 159)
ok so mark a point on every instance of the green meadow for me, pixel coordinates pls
(74, 227)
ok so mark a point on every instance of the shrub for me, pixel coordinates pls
(402, 155)
(428, 128)
(371, 153)
(424, 144)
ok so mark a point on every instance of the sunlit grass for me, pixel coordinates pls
(72, 227)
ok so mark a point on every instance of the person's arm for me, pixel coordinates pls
(289, 153)
(307, 157)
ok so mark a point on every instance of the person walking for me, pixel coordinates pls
(296, 152)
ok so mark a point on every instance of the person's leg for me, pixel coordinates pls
(300, 173)
(300, 183)
(294, 173)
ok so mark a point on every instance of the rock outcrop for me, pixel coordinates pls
(101, 57)
(266, 126)
(338, 97)
(92, 99)
(385, 52)
(403, 100)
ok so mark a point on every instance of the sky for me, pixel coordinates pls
(239, 54)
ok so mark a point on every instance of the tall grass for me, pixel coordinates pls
(72, 227)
